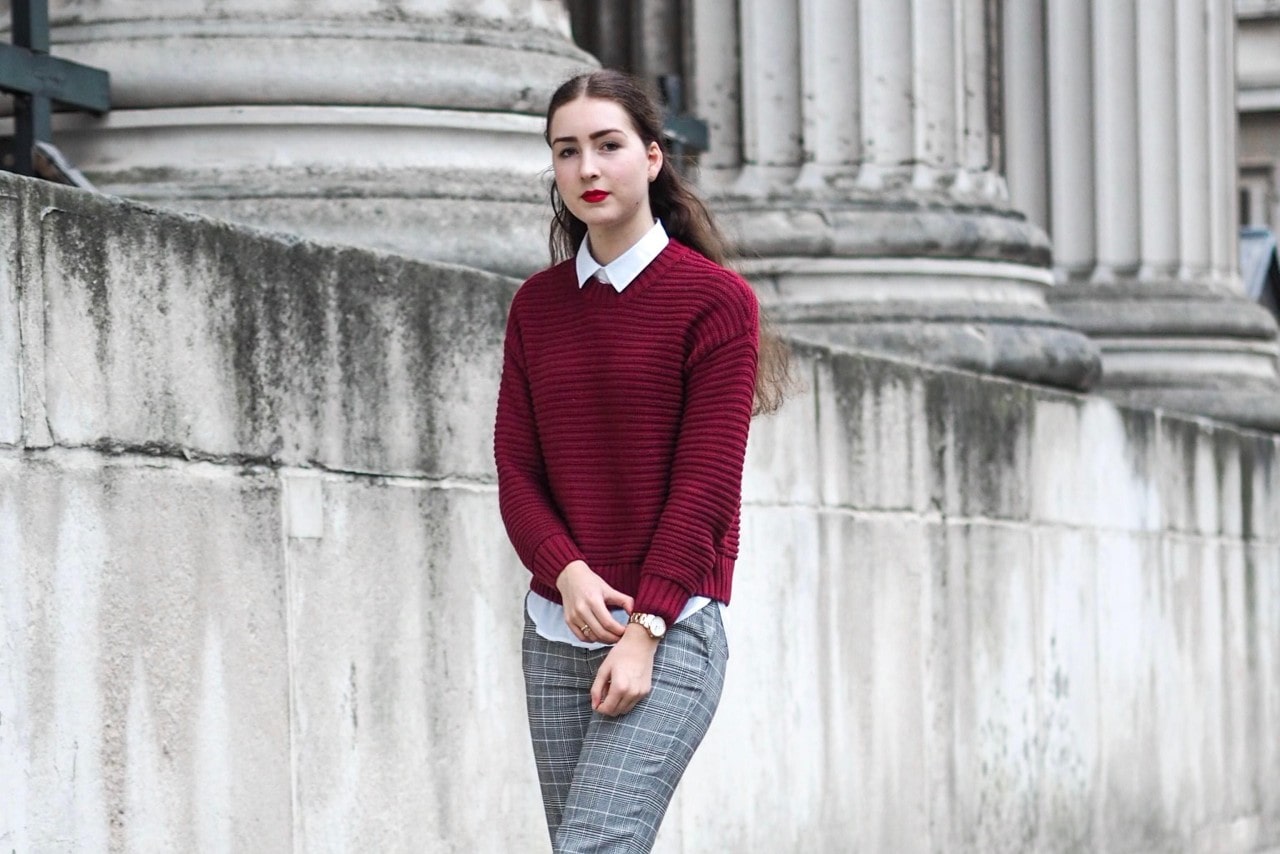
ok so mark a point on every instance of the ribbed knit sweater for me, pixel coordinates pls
(622, 427)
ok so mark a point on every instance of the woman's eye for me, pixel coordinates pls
(611, 146)
(566, 152)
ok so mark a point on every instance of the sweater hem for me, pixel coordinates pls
(628, 579)
(552, 555)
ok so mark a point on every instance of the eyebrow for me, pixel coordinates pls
(595, 135)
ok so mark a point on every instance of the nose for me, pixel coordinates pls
(588, 167)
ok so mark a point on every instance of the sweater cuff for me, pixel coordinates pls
(553, 555)
(661, 596)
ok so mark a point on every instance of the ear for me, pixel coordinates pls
(655, 160)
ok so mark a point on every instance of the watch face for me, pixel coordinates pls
(651, 623)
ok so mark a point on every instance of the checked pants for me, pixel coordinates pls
(606, 782)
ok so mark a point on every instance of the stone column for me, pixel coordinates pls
(855, 152)
(1136, 126)
(643, 36)
(409, 125)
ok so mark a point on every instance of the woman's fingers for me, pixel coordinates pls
(579, 625)
(617, 703)
(613, 694)
(624, 678)
(600, 686)
(592, 623)
(587, 598)
(617, 600)
(607, 627)
(600, 626)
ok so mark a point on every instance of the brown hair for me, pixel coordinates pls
(683, 214)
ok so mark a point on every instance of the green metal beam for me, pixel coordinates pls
(27, 72)
(31, 24)
(688, 131)
(37, 81)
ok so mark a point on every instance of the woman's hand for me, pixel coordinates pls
(626, 675)
(587, 599)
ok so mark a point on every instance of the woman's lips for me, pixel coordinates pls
(594, 196)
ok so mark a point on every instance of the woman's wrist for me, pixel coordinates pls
(570, 571)
(637, 631)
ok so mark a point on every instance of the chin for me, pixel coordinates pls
(587, 215)
(595, 219)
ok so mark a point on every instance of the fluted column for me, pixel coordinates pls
(410, 125)
(854, 155)
(1141, 153)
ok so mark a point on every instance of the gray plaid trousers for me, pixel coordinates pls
(606, 782)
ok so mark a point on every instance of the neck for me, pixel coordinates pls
(607, 245)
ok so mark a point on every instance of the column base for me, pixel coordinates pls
(1047, 354)
(1181, 347)
(961, 288)
(409, 127)
(435, 184)
(1257, 410)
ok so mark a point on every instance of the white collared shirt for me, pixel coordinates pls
(623, 270)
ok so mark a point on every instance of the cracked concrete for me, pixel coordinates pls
(255, 594)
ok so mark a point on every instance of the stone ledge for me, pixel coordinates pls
(164, 329)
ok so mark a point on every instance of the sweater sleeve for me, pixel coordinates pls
(705, 492)
(533, 522)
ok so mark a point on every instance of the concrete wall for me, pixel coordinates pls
(255, 594)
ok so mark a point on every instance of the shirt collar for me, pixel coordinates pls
(623, 270)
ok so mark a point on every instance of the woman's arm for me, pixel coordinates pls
(703, 499)
(533, 522)
(705, 491)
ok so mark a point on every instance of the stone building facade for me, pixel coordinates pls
(1043, 191)
(255, 594)
(254, 589)
(1259, 100)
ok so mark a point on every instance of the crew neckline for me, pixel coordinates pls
(598, 291)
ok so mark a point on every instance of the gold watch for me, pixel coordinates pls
(651, 623)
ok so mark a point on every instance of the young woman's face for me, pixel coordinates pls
(602, 167)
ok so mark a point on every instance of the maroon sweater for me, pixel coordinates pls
(622, 427)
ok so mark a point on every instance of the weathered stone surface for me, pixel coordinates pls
(843, 139)
(884, 462)
(833, 705)
(981, 448)
(144, 692)
(431, 229)
(255, 591)
(1262, 628)
(502, 56)
(875, 223)
(170, 332)
(1184, 348)
(10, 328)
(409, 125)
(1068, 694)
(1094, 465)
(1030, 347)
(408, 698)
(994, 653)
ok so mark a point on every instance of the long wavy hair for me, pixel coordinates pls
(683, 214)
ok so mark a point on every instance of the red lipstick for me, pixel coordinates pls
(594, 196)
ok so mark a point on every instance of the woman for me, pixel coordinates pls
(628, 383)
